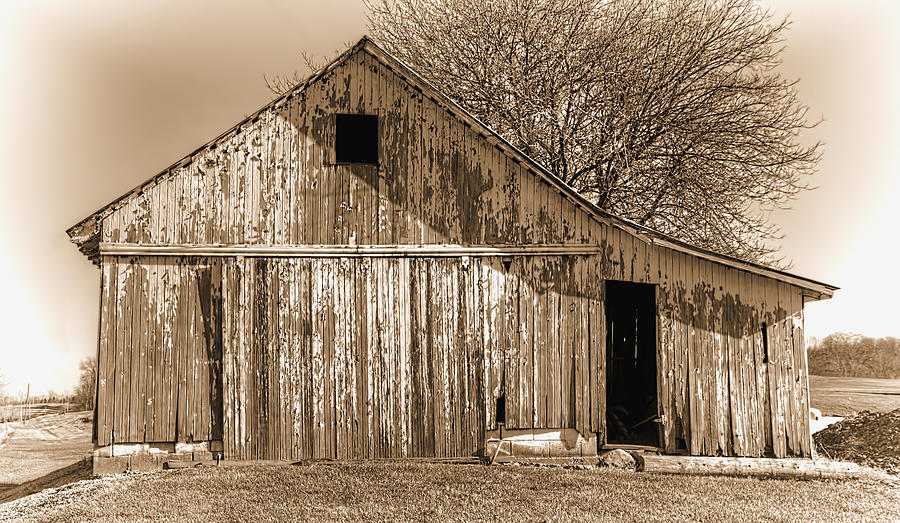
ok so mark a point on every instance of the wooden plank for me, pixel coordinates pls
(371, 357)
(462, 347)
(232, 352)
(774, 344)
(165, 347)
(428, 378)
(660, 319)
(663, 359)
(406, 377)
(447, 316)
(395, 360)
(577, 344)
(293, 207)
(290, 360)
(723, 434)
(342, 350)
(229, 405)
(455, 358)
(717, 442)
(118, 422)
(307, 383)
(267, 184)
(540, 346)
(361, 344)
(195, 404)
(566, 334)
(753, 341)
(526, 345)
(584, 341)
(170, 379)
(252, 381)
(241, 359)
(802, 376)
(105, 350)
(735, 372)
(416, 414)
(154, 387)
(132, 354)
(597, 327)
(342, 250)
(785, 297)
(776, 468)
(696, 386)
(140, 371)
(204, 352)
(761, 364)
(279, 305)
(355, 358)
(180, 305)
(551, 323)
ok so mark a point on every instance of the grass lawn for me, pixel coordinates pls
(836, 396)
(431, 492)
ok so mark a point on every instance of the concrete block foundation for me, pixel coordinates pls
(150, 457)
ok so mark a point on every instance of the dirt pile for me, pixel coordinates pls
(868, 438)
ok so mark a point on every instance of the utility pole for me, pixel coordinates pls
(25, 405)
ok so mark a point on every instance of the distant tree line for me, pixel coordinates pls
(82, 396)
(854, 355)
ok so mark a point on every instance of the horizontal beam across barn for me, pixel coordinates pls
(341, 251)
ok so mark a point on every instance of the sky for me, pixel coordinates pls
(96, 97)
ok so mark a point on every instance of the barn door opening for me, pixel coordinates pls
(631, 413)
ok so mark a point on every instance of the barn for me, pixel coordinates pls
(362, 269)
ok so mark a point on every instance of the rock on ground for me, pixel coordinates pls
(617, 458)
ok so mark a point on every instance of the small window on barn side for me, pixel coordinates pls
(765, 343)
(356, 138)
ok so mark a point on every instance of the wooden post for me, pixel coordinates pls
(25, 405)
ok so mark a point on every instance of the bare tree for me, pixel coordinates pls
(87, 383)
(669, 113)
(3, 384)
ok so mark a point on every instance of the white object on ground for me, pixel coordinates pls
(822, 422)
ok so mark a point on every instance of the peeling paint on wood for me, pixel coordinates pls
(452, 276)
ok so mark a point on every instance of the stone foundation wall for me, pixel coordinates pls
(148, 457)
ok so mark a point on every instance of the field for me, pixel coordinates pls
(431, 492)
(836, 396)
(36, 447)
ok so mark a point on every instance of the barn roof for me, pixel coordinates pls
(86, 233)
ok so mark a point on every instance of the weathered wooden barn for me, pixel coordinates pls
(361, 269)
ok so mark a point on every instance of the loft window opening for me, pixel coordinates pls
(356, 138)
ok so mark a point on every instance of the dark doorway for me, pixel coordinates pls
(631, 395)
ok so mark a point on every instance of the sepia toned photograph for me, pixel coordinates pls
(449, 260)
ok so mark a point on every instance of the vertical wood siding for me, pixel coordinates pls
(717, 390)
(381, 357)
(275, 181)
(373, 357)
(157, 351)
